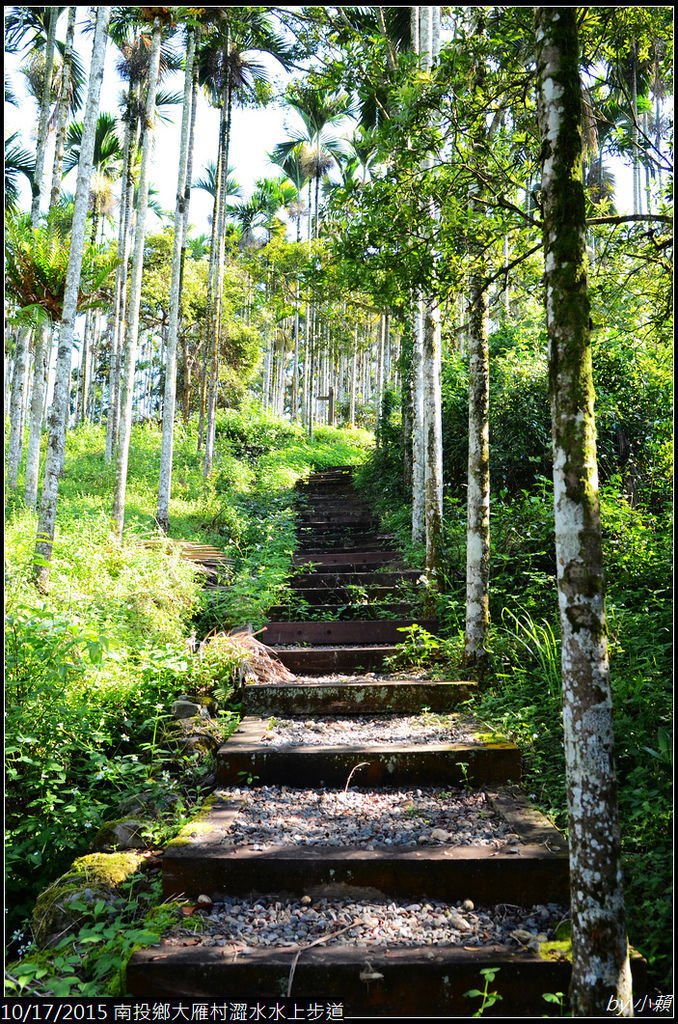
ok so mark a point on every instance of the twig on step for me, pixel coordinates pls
(309, 945)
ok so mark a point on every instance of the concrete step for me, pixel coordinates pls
(354, 696)
(246, 754)
(419, 982)
(359, 631)
(531, 869)
(321, 660)
(345, 611)
(349, 561)
(315, 581)
(311, 545)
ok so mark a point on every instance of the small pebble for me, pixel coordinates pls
(281, 816)
(357, 731)
(389, 924)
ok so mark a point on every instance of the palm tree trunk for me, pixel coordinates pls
(121, 279)
(354, 378)
(380, 374)
(132, 319)
(294, 396)
(478, 490)
(225, 138)
(43, 341)
(43, 116)
(85, 370)
(478, 483)
(600, 959)
(62, 117)
(418, 454)
(180, 230)
(16, 408)
(433, 438)
(59, 412)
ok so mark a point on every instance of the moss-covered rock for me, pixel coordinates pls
(94, 877)
(196, 735)
(122, 834)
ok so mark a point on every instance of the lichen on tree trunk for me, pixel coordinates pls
(600, 967)
(478, 497)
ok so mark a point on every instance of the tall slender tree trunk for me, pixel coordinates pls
(43, 341)
(212, 393)
(132, 319)
(121, 279)
(427, 433)
(180, 229)
(62, 116)
(58, 419)
(354, 378)
(478, 490)
(407, 409)
(381, 345)
(43, 116)
(600, 959)
(16, 407)
(433, 438)
(418, 429)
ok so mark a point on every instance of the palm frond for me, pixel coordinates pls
(18, 161)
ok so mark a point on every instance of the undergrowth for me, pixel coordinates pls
(93, 666)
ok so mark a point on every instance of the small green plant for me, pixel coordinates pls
(556, 999)
(488, 999)
(463, 767)
(247, 778)
(419, 648)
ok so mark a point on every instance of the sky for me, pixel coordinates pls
(254, 132)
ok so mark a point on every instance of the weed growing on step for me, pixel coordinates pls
(420, 649)
(488, 999)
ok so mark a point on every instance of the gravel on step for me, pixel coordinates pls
(375, 730)
(375, 819)
(377, 923)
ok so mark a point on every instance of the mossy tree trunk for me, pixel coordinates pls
(478, 476)
(478, 493)
(600, 966)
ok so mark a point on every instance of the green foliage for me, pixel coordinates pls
(487, 998)
(419, 648)
(36, 264)
(91, 958)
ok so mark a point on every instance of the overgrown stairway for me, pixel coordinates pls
(338, 656)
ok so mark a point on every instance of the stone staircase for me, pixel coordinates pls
(336, 653)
